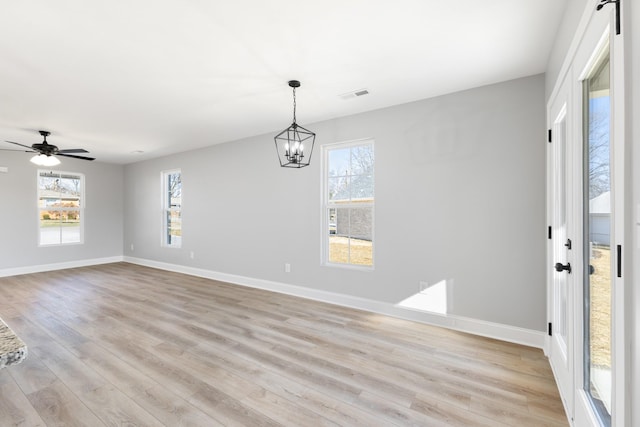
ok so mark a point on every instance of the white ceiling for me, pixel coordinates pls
(165, 76)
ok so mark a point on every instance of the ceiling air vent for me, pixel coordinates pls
(354, 94)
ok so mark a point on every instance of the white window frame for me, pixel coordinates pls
(327, 204)
(167, 208)
(80, 208)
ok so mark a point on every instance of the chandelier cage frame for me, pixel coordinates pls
(294, 145)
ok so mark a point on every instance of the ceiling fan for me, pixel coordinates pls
(46, 151)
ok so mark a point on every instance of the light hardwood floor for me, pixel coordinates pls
(124, 345)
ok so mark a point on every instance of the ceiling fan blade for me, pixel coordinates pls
(73, 150)
(18, 151)
(22, 145)
(75, 157)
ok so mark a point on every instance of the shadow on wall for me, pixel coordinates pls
(434, 298)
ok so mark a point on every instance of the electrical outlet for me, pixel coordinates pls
(287, 268)
(132, 247)
(192, 255)
(4, 169)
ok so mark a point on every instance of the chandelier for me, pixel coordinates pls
(294, 144)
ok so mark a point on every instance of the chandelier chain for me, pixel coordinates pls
(294, 105)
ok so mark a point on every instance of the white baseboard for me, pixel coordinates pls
(58, 266)
(498, 331)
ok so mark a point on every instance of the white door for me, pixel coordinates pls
(585, 211)
(561, 350)
(600, 376)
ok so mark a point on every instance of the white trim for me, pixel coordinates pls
(585, 415)
(58, 266)
(565, 405)
(498, 331)
(621, 358)
(567, 64)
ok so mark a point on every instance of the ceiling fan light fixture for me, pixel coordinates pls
(44, 160)
(294, 145)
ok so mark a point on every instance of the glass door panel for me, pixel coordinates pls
(598, 223)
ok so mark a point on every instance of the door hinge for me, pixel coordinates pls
(549, 136)
(619, 259)
(550, 329)
(617, 3)
(549, 233)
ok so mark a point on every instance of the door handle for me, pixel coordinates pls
(592, 269)
(562, 267)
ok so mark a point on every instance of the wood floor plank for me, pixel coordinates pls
(58, 406)
(147, 393)
(15, 408)
(173, 410)
(275, 381)
(120, 344)
(116, 409)
(31, 375)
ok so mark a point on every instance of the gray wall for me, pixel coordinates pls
(460, 183)
(19, 214)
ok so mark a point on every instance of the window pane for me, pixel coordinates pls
(70, 226)
(342, 222)
(339, 162)
(338, 249)
(48, 191)
(360, 223)
(47, 181)
(597, 291)
(361, 233)
(361, 252)
(174, 228)
(332, 221)
(50, 232)
(60, 226)
(174, 188)
(339, 188)
(49, 218)
(351, 235)
(69, 187)
(362, 160)
(362, 187)
(338, 235)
